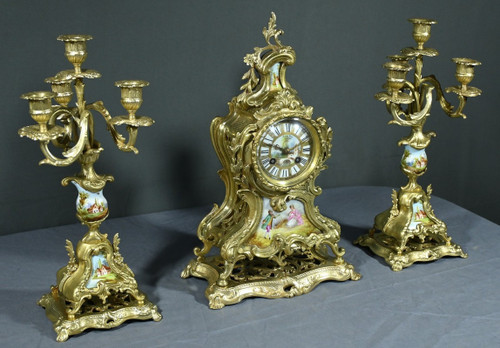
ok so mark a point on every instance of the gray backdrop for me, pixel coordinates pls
(191, 52)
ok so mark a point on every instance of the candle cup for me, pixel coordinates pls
(399, 58)
(62, 89)
(40, 107)
(131, 95)
(75, 49)
(396, 75)
(421, 30)
(465, 70)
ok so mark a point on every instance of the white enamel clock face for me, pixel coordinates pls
(284, 150)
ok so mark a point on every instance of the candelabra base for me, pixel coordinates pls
(409, 232)
(94, 314)
(415, 251)
(261, 278)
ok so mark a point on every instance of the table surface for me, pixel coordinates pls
(451, 302)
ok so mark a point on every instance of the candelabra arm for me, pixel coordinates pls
(410, 86)
(73, 153)
(119, 139)
(458, 112)
(445, 105)
(70, 120)
(80, 96)
(414, 119)
(99, 107)
(414, 91)
(132, 138)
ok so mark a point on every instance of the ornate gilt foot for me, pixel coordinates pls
(414, 251)
(94, 314)
(409, 232)
(261, 278)
(95, 290)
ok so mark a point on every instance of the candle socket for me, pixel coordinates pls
(131, 95)
(40, 107)
(421, 30)
(396, 75)
(465, 70)
(62, 89)
(75, 47)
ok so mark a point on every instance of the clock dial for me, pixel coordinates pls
(284, 150)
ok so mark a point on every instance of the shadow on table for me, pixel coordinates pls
(356, 254)
(176, 248)
(21, 307)
(165, 266)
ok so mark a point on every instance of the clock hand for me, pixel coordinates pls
(277, 147)
(293, 148)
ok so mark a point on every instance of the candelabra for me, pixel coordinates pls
(409, 231)
(96, 289)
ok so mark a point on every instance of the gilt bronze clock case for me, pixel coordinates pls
(272, 241)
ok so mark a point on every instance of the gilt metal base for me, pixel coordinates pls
(118, 309)
(415, 251)
(257, 278)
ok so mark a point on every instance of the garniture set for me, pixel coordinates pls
(267, 238)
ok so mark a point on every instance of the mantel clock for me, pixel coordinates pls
(273, 242)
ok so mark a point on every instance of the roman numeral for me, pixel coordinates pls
(265, 163)
(268, 139)
(273, 171)
(264, 151)
(306, 149)
(295, 169)
(297, 130)
(284, 173)
(277, 131)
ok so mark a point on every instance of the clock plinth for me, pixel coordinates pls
(272, 240)
(262, 278)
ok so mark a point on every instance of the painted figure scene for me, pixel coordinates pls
(100, 271)
(275, 77)
(290, 221)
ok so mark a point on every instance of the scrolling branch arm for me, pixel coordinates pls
(119, 139)
(73, 153)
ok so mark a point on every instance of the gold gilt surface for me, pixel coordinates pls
(72, 305)
(393, 235)
(289, 265)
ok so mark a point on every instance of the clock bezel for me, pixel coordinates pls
(285, 183)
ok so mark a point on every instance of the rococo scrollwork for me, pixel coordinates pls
(272, 240)
(409, 231)
(96, 289)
